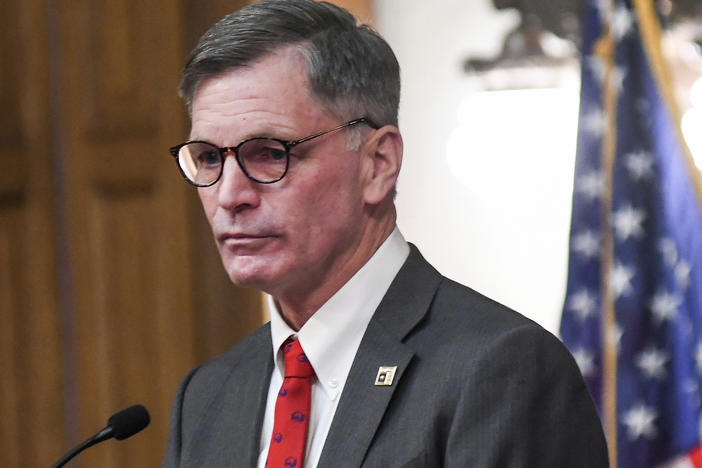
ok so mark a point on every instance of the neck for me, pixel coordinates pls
(297, 307)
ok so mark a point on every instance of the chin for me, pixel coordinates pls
(251, 273)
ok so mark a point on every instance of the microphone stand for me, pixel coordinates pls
(104, 434)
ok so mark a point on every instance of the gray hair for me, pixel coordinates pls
(352, 71)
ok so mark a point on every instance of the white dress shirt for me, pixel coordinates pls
(330, 339)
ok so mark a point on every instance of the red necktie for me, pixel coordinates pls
(292, 410)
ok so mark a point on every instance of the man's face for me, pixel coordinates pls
(293, 234)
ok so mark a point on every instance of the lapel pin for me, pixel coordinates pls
(385, 376)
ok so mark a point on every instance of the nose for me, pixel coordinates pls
(235, 190)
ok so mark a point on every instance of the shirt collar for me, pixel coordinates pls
(332, 335)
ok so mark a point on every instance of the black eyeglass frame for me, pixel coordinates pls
(222, 151)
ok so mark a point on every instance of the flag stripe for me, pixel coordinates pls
(696, 457)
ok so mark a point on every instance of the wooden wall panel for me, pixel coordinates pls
(126, 217)
(124, 66)
(10, 122)
(124, 365)
(10, 439)
(30, 367)
(362, 9)
(31, 427)
(202, 16)
(12, 138)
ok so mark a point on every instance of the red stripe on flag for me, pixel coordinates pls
(696, 456)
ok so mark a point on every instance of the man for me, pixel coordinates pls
(295, 149)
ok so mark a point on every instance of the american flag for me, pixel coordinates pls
(633, 310)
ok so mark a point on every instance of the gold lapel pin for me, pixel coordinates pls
(385, 376)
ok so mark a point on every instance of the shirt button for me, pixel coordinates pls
(333, 383)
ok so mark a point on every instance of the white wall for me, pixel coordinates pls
(503, 230)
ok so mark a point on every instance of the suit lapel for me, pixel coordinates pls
(362, 403)
(230, 429)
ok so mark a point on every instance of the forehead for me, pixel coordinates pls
(272, 93)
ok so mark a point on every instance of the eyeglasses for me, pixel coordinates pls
(264, 160)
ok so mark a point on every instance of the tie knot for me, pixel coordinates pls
(296, 363)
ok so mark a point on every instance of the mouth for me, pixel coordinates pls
(240, 239)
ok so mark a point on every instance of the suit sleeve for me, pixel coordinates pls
(530, 409)
(175, 434)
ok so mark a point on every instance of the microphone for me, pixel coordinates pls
(121, 425)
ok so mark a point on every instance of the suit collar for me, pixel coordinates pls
(404, 306)
(409, 296)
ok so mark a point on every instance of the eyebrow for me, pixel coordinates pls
(248, 136)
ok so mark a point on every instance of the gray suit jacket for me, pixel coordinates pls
(477, 385)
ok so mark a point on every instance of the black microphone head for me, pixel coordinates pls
(129, 421)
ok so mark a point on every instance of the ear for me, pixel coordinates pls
(382, 155)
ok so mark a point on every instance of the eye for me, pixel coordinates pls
(262, 151)
(276, 154)
(208, 157)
